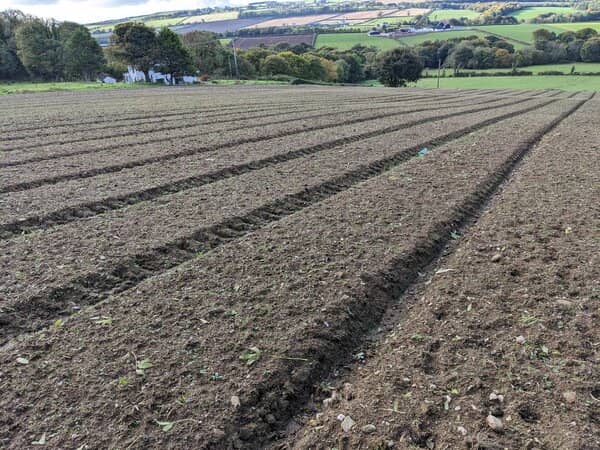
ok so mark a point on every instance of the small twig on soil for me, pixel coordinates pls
(292, 358)
(133, 442)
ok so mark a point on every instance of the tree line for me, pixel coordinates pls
(476, 52)
(201, 52)
(47, 50)
(37, 49)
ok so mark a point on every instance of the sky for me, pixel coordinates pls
(87, 11)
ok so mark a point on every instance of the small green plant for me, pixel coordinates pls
(142, 366)
(102, 320)
(166, 426)
(528, 320)
(251, 356)
(417, 337)
(124, 382)
(217, 377)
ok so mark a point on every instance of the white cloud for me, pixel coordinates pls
(87, 11)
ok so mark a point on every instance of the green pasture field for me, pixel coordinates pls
(565, 68)
(524, 32)
(439, 36)
(575, 26)
(447, 14)
(345, 41)
(566, 83)
(29, 87)
(527, 14)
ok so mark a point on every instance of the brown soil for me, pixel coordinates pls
(40, 266)
(512, 310)
(114, 154)
(50, 203)
(244, 300)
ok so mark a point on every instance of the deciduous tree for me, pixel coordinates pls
(82, 55)
(39, 50)
(172, 56)
(590, 51)
(134, 44)
(399, 66)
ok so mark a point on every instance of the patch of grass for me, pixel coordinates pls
(345, 41)
(576, 26)
(566, 83)
(522, 32)
(29, 87)
(447, 14)
(527, 14)
(439, 36)
(565, 68)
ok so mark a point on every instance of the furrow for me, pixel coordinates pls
(228, 144)
(55, 152)
(169, 127)
(240, 122)
(89, 209)
(36, 311)
(184, 126)
(332, 347)
(68, 121)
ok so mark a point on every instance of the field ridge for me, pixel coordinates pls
(198, 150)
(41, 310)
(380, 291)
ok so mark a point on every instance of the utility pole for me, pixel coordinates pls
(235, 63)
(439, 68)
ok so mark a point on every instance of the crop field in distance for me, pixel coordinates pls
(300, 267)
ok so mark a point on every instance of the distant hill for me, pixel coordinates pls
(227, 19)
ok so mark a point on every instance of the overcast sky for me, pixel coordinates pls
(86, 11)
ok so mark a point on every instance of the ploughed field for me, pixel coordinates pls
(300, 267)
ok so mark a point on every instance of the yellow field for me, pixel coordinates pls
(214, 17)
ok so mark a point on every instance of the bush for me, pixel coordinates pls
(551, 72)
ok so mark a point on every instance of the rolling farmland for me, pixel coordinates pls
(203, 267)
